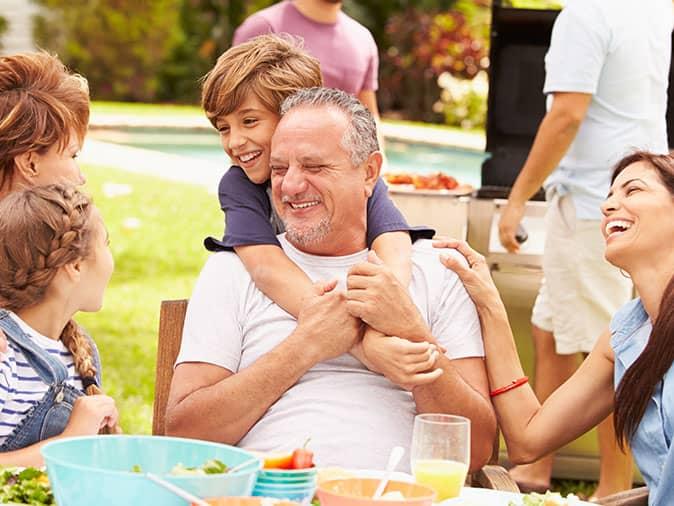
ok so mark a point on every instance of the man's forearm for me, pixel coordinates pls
(453, 395)
(226, 410)
(554, 137)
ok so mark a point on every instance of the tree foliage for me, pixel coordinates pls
(4, 25)
(421, 45)
(119, 45)
(206, 30)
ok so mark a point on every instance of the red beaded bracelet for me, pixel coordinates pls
(513, 384)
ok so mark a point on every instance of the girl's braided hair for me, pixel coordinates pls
(41, 230)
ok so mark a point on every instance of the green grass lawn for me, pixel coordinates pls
(157, 257)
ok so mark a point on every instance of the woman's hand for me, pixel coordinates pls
(90, 414)
(475, 276)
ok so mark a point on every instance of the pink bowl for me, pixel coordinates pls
(359, 491)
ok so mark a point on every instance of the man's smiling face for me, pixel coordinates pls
(320, 196)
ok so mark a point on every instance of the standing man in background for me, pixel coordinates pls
(346, 49)
(606, 84)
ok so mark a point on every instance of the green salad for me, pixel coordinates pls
(25, 486)
(213, 466)
(547, 499)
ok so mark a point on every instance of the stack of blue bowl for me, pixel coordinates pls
(292, 484)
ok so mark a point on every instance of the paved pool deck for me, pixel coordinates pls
(204, 173)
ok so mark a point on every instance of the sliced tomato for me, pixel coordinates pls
(302, 458)
(278, 461)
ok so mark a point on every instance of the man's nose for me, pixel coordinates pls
(294, 182)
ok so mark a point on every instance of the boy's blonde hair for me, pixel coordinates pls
(41, 101)
(270, 66)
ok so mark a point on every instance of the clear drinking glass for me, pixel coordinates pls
(441, 453)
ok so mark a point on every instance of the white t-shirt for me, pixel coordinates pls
(352, 415)
(619, 51)
(20, 386)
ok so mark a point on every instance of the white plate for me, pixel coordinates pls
(486, 497)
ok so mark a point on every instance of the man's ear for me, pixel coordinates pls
(372, 170)
(25, 168)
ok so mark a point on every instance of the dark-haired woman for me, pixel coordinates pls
(630, 370)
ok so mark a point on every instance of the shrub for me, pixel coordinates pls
(3, 28)
(206, 30)
(423, 45)
(118, 45)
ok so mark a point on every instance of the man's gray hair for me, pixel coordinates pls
(360, 137)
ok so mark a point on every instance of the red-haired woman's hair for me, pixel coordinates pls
(638, 383)
(41, 230)
(41, 102)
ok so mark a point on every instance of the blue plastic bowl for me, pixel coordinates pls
(97, 470)
(297, 493)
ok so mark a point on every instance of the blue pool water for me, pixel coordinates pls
(402, 156)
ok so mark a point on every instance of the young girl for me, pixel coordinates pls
(54, 261)
(241, 97)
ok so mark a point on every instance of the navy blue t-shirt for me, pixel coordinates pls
(250, 217)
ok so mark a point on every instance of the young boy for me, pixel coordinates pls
(241, 97)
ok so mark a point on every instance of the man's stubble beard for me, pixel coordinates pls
(308, 236)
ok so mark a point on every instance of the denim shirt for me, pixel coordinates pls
(652, 441)
(49, 417)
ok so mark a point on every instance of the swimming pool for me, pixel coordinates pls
(402, 156)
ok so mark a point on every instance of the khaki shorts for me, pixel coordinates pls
(581, 291)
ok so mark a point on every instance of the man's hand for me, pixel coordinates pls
(328, 327)
(376, 296)
(402, 362)
(511, 216)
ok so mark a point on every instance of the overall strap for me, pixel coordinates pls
(49, 368)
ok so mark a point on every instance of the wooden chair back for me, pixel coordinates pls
(171, 321)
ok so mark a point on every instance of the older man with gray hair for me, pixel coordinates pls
(249, 374)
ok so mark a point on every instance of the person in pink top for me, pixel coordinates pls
(345, 48)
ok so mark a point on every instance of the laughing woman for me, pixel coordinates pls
(630, 371)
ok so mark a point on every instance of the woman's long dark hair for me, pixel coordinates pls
(639, 381)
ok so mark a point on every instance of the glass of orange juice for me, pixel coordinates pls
(441, 453)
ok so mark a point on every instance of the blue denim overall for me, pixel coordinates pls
(50, 415)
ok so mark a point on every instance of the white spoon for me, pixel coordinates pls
(238, 467)
(393, 459)
(177, 490)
